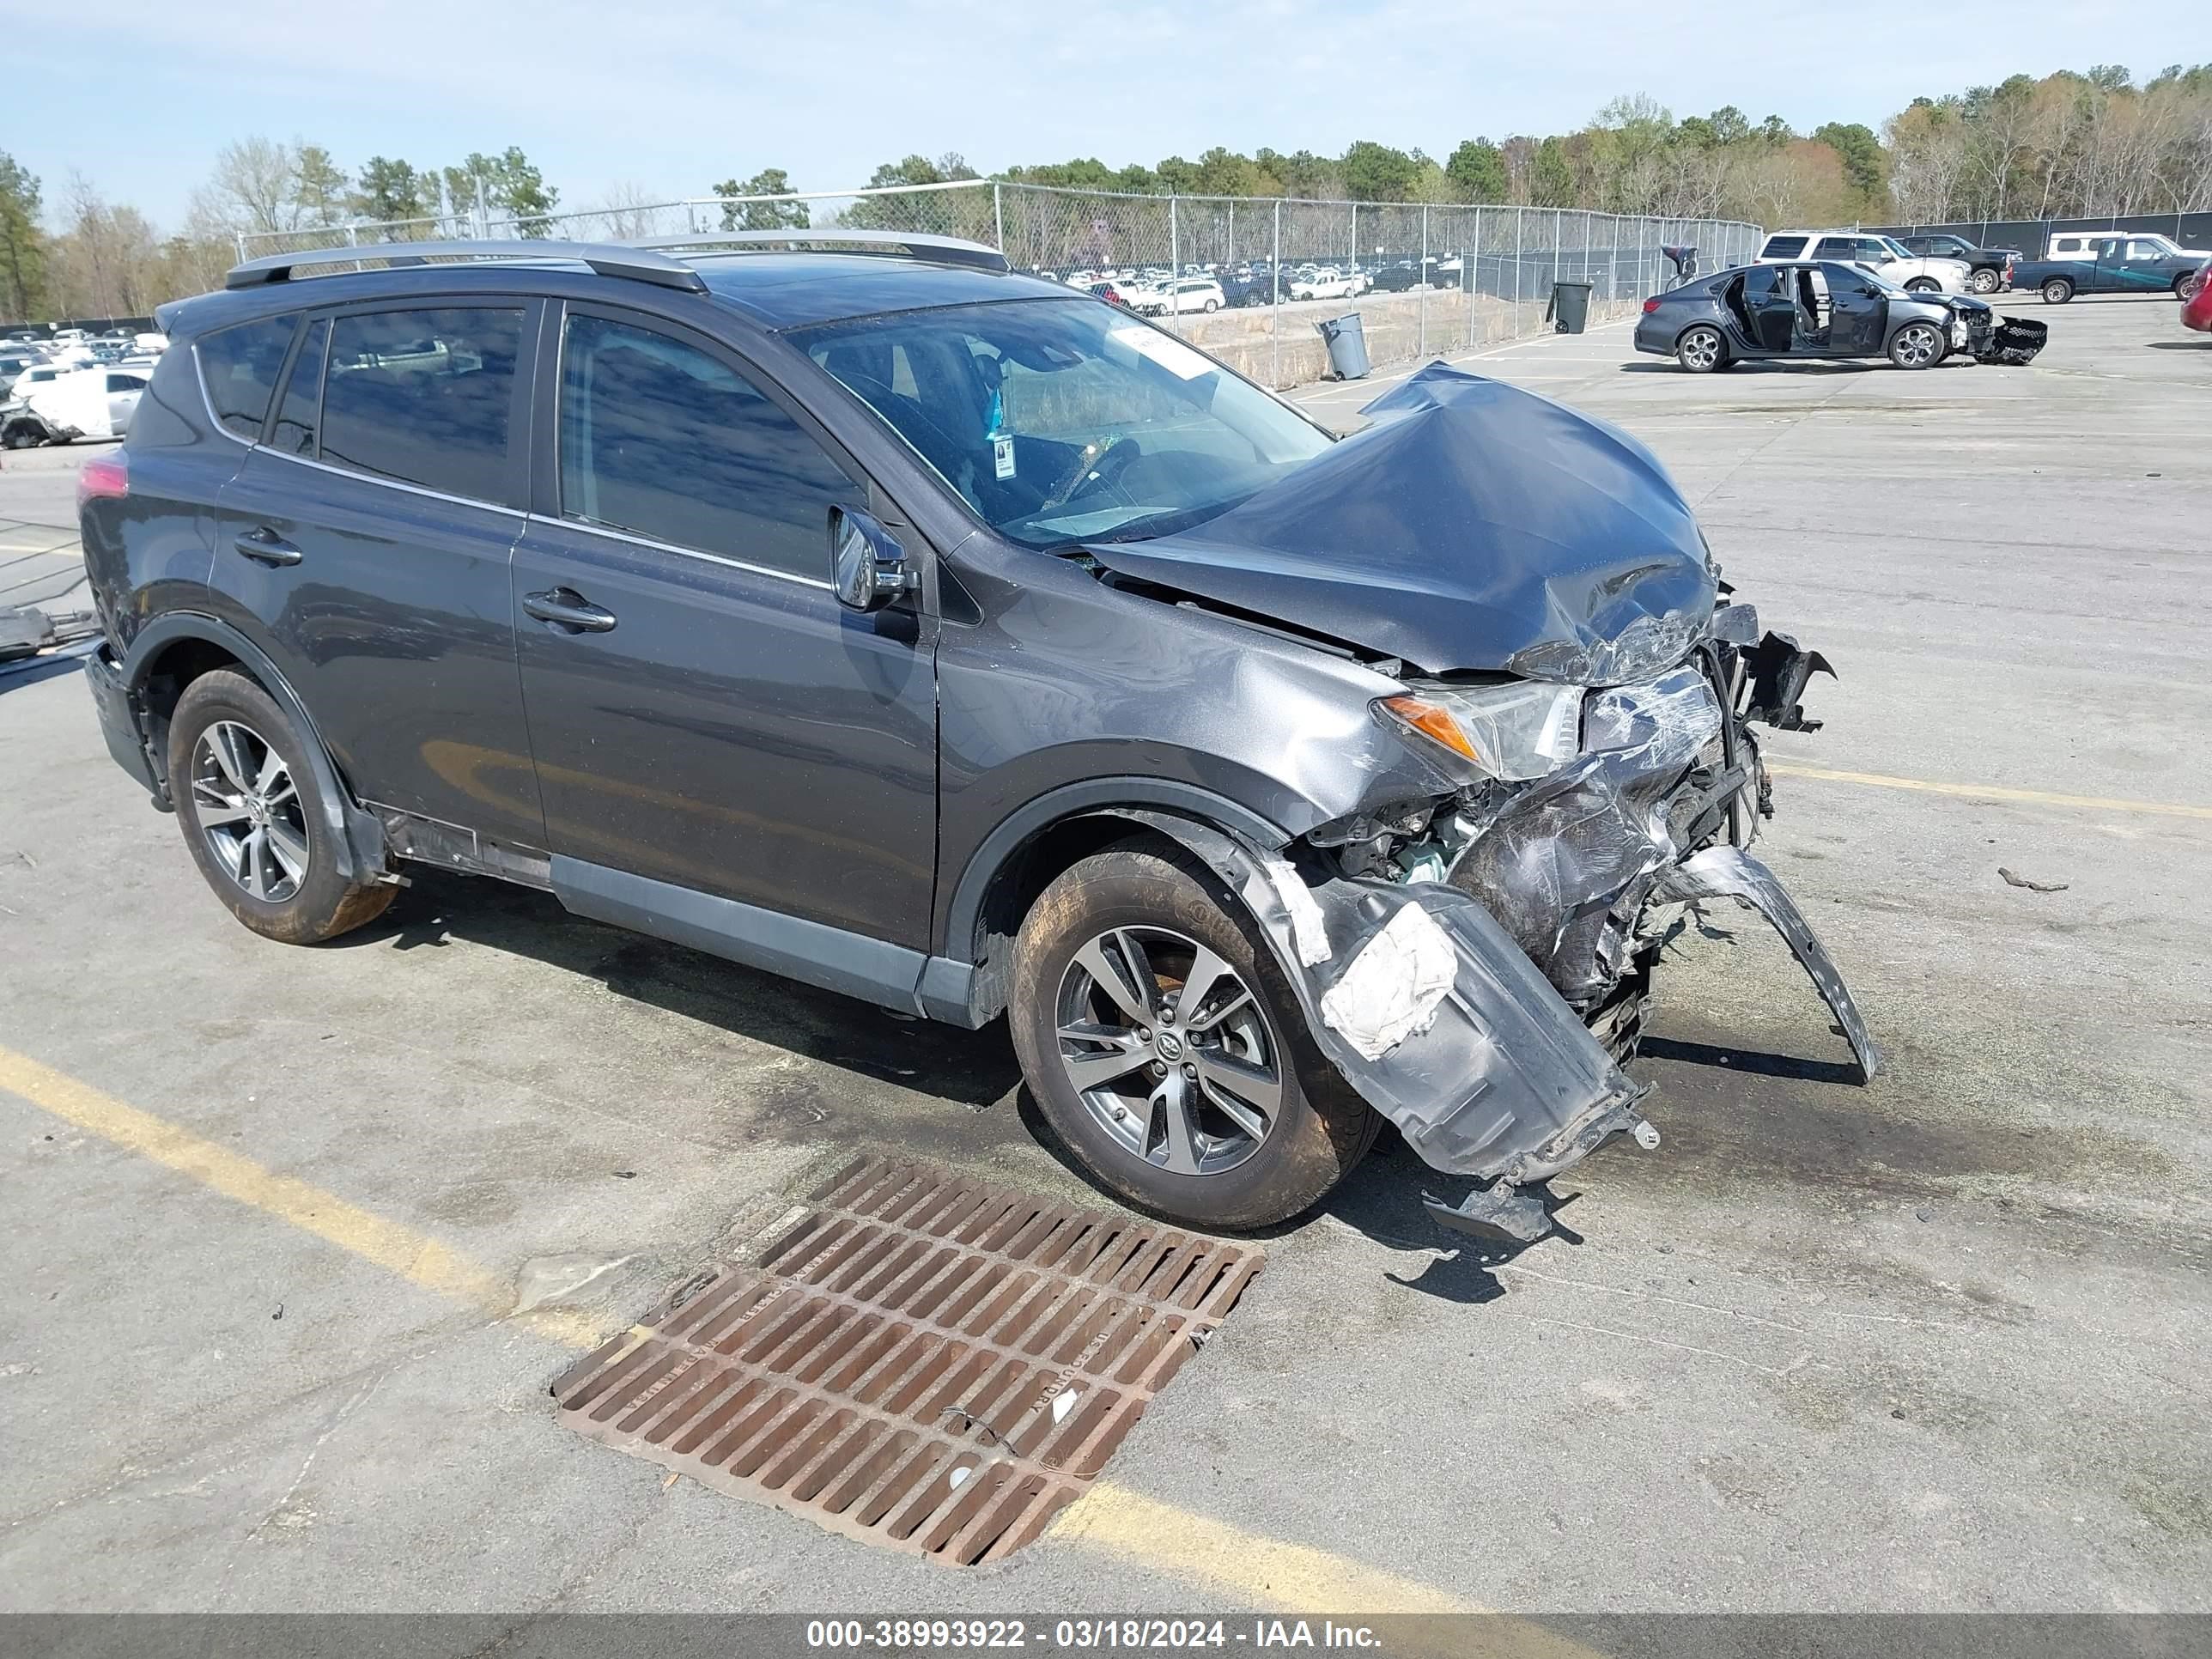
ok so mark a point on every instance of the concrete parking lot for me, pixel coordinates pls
(298, 1237)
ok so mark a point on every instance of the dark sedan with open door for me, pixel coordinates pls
(1823, 308)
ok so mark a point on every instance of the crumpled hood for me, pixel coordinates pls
(1474, 526)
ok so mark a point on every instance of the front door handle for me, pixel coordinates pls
(265, 546)
(563, 607)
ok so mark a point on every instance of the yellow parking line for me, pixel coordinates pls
(1273, 1575)
(1992, 791)
(400, 1250)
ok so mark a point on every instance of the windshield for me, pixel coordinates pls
(1061, 421)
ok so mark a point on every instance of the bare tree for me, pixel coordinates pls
(258, 181)
(627, 212)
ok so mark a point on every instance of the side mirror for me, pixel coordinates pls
(869, 569)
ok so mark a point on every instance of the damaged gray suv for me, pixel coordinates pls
(856, 608)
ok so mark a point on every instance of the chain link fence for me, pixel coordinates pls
(1426, 278)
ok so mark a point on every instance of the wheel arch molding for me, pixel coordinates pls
(356, 835)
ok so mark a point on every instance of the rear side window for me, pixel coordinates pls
(425, 397)
(239, 365)
(660, 439)
(300, 413)
(1782, 247)
(125, 383)
(1836, 247)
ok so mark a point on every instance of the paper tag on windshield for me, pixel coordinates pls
(1169, 353)
(1002, 456)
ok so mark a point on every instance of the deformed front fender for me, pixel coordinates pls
(1482, 1066)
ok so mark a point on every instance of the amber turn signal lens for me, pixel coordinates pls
(1434, 721)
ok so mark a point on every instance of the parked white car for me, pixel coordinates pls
(1885, 256)
(89, 403)
(1326, 283)
(2083, 244)
(1189, 294)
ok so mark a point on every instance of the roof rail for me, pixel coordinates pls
(939, 250)
(608, 259)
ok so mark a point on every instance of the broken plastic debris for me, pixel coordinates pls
(1391, 990)
(1306, 924)
(1064, 1402)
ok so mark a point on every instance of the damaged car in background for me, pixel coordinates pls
(1789, 310)
(915, 628)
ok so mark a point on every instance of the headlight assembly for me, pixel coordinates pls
(1511, 732)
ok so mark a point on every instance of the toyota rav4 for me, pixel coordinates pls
(856, 608)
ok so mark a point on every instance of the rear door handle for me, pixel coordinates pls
(563, 607)
(265, 546)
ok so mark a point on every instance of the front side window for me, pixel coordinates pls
(239, 367)
(424, 398)
(1060, 421)
(660, 439)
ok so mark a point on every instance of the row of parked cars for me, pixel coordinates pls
(1156, 293)
(72, 384)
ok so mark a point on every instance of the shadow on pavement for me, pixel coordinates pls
(975, 1069)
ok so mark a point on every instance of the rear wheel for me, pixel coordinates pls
(2185, 286)
(2057, 291)
(1923, 285)
(252, 815)
(1983, 282)
(1168, 1051)
(1700, 349)
(1917, 345)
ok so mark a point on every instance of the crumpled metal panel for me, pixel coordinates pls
(1474, 526)
(1567, 862)
(1503, 1081)
(1731, 873)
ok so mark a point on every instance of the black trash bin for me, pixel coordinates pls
(1569, 307)
(1347, 346)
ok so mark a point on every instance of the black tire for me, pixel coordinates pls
(2057, 291)
(22, 435)
(1321, 1128)
(1918, 345)
(1701, 349)
(321, 904)
(1983, 281)
(1212, 305)
(2185, 285)
(1923, 285)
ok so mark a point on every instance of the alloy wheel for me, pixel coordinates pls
(250, 811)
(1701, 347)
(1983, 282)
(1918, 346)
(1169, 1050)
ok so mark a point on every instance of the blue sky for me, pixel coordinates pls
(671, 96)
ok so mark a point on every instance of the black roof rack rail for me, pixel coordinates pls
(938, 250)
(639, 263)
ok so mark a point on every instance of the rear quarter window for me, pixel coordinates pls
(239, 367)
(1782, 247)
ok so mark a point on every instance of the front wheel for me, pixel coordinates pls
(1923, 285)
(1701, 349)
(1212, 305)
(2057, 291)
(1168, 1051)
(252, 815)
(1917, 345)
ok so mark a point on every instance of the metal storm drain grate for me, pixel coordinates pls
(920, 1361)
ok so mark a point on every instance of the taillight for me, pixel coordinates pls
(1651, 305)
(104, 477)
